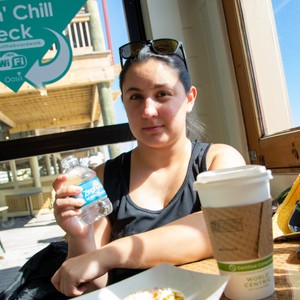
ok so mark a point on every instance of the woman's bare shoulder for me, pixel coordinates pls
(100, 171)
(221, 156)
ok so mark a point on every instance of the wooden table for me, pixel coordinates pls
(286, 270)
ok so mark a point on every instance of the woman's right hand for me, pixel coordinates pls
(66, 207)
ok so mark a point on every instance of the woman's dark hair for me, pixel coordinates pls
(174, 61)
(195, 128)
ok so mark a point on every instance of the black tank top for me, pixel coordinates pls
(128, 218)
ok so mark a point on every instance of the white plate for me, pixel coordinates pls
(194, 285)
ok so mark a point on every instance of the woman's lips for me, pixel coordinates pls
(152, 128)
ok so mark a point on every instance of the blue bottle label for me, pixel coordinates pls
(92, 190)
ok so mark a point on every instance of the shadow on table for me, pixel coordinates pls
(27, 221)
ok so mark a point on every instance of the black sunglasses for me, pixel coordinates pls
(159, 46)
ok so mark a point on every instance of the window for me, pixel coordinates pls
(70, 115)
(37, 129)
(273, 138)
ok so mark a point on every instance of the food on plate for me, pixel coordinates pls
(156, 294)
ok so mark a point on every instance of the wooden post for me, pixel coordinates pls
(104, 88)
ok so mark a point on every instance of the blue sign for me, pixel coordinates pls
(28, 30)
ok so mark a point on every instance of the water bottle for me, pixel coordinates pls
(97, 203)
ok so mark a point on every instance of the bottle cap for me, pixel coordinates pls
(69, 161)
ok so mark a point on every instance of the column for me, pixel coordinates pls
(104, 88)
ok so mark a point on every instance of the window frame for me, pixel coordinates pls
(70, 140)
(279, 151)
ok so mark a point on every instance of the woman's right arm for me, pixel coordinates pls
(81, 239)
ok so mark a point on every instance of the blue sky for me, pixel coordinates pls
(287, 14)
(119, 37)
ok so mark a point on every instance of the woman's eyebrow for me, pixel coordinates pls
(132, 89)
(156, 86)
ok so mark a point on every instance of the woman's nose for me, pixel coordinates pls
(150, 108)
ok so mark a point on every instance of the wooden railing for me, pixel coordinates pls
(41, 201)
(78, 33)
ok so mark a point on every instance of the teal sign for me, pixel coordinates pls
(28, 29)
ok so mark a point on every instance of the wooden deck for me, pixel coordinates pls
(22, 237)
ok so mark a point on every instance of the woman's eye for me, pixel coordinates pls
(163, 94)
(135, 97)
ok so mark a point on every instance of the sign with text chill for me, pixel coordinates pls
(28, 29)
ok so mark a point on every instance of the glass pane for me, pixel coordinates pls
(272, 33)
(288, 29)
(88, 95)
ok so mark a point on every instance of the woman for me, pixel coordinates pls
(157, 216)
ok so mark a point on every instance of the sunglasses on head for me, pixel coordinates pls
(159, 46)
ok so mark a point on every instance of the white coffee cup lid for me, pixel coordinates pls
(233, 174)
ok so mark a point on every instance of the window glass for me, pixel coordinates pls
(271, 31)
(263, 76)
(87, 96)
(288, 29)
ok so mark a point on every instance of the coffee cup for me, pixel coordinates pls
(237, 208)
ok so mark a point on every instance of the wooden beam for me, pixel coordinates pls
(5, 119)
(95, 101)
(70, 140)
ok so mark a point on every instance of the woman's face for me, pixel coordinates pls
(156, 103)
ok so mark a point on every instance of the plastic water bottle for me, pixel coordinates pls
(97, 203)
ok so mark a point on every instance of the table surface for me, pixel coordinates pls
(286, 270)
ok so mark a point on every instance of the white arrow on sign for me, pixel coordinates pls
(39, 75)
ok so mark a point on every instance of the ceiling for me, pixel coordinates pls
(70, 104)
